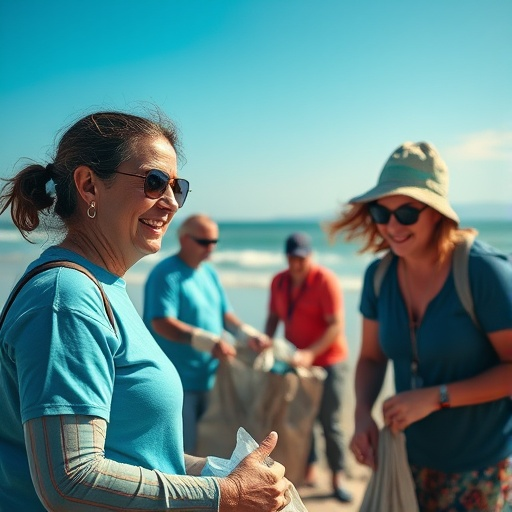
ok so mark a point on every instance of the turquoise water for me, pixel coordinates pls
(248, 255)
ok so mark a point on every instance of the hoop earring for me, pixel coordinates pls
(91, 211)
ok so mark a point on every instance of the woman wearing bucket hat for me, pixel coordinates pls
(453, 377)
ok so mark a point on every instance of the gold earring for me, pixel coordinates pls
(91, 211)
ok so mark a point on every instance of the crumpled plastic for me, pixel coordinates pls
(245, 444)
(276, 359)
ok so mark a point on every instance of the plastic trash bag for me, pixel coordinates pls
(245, 444)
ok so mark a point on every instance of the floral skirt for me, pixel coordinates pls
(485, 490)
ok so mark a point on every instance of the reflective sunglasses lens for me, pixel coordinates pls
(180, 190)
(407, 215)
(155, 184)
(205, 242)
(379, 214)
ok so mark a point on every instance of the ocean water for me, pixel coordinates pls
(247, 256)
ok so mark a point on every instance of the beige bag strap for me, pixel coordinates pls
(380, 272)
(460, 266)
(53, 264)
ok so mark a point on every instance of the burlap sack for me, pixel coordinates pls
(262, 401)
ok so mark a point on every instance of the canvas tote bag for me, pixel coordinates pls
(262, 401)
(391, 487)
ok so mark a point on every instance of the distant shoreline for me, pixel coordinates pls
(468, 213)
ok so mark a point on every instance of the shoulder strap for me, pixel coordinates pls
(380, 272)
(53, 264)
(460, 265)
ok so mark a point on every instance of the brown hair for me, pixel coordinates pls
(356, 222)
(100, 141)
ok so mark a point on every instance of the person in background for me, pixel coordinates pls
(307, 299)
(187, 310)
(91, 407)
(453, 379)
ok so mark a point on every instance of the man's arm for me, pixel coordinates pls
(271, 324)
(245, 334)
(175, 330)
(231, 322)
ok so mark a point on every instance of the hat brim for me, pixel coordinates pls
(299, 252)
(425, 196)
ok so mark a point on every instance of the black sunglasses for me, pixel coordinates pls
(205, 242)
(406, 215)
(155, 183)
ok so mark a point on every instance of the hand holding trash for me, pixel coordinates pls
(248, 336)
(208, 342)
(253, 482)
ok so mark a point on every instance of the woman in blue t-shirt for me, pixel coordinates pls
(91, 406)
(453, 376)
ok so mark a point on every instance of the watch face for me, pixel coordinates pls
(444, 398)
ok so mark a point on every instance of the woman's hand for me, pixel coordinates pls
(407, 407)
(365, 441)
(257, 483)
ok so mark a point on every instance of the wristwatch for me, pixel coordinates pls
(444, 397)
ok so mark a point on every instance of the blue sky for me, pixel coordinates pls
(286, 107)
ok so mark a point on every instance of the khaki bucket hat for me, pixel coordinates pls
(416, 170)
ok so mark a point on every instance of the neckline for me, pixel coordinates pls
(104, 275)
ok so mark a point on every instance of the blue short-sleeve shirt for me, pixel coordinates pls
(194, 296)
(450, 348)
(60, 355)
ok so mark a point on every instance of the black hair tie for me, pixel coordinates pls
(49, 171)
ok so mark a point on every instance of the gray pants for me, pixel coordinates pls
(329, 417)
(194, 406)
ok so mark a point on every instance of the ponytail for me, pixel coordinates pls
(28, 195)
(100, 141)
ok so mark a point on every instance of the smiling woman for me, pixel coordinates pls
(449, 373)
(128, 223)
(92, 407)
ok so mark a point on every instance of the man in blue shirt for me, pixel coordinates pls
(187, 310)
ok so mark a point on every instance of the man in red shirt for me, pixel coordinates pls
(307, 298)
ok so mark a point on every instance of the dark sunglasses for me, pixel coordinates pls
(406, 215)
(155, 184)
(205, 242)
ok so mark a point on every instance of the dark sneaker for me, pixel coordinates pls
(342, 495)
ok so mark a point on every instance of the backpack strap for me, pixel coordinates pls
(380, 272)
(460, 266)
(53, 264)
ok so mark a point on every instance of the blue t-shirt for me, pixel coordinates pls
(450, 348)
(60, 355)
(194, 296)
